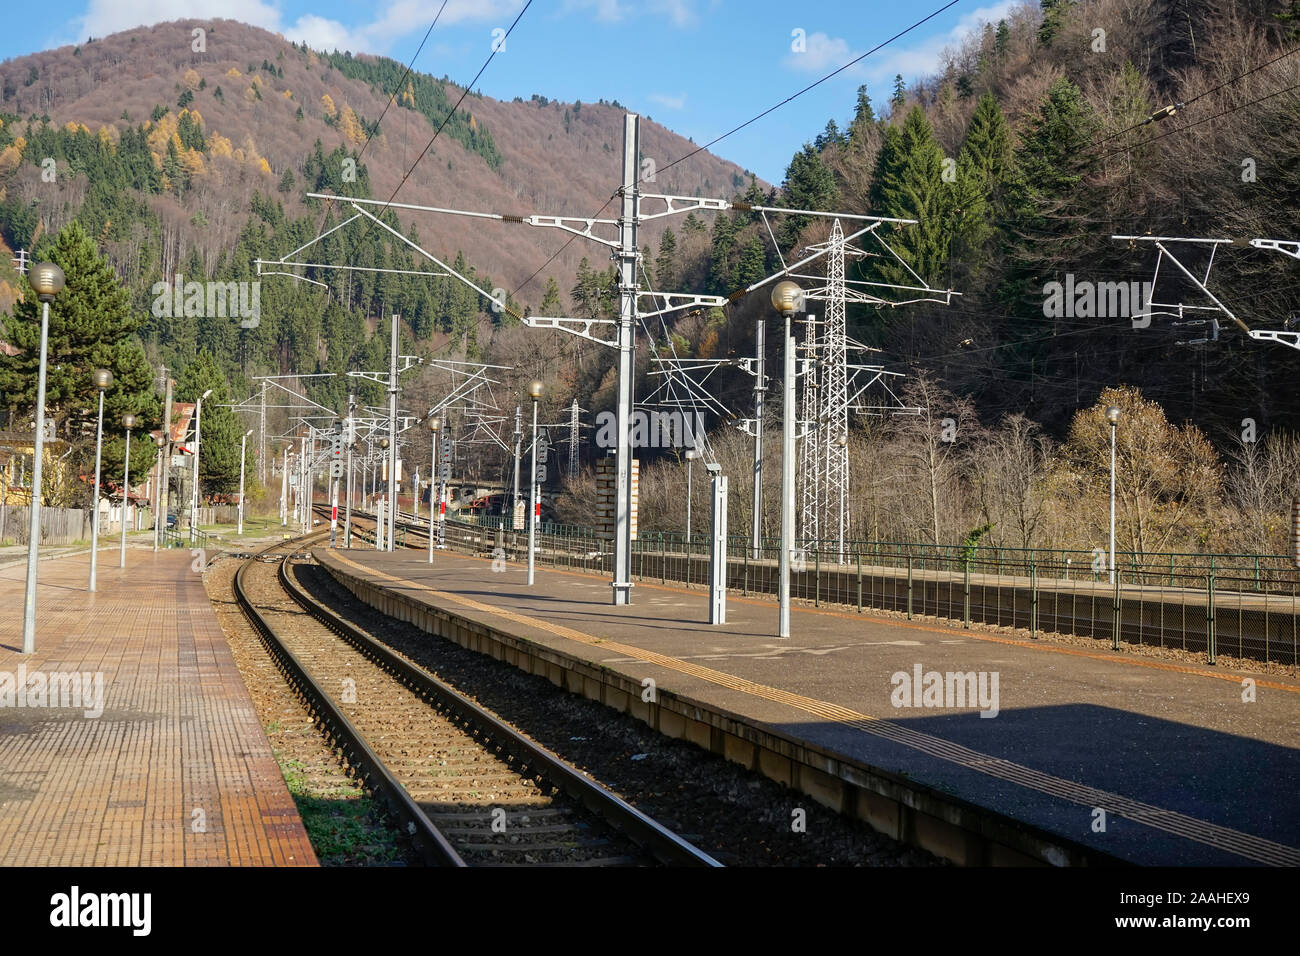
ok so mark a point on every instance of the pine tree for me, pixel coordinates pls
(92, 325)
(986, 172)
(752, 265)
(910, 186)
(899, 99)
(720, 250)
(1002, 40)
(809, 184)
(864, 117)
(665, 264)
(1053, 18)
(586, 298)
(552, 303)
(220, 430)
(1050, 192)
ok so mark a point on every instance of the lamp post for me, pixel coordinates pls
(47, 280)
(1112, 416)
(691, 455)
(243, 442)
(434, 424)
(535, 393)
(381, 526)
(102, 378)
(159, 517)
(347, 507)
(787, 298)
(194, 492)
(128, 422)
(284, 484)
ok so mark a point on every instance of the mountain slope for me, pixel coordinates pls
(271, 101)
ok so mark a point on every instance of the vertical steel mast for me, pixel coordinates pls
(627, 316)
(834, 421)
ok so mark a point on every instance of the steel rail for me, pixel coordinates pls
(434, 847)
(660, 842)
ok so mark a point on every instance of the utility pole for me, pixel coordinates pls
(392, 434)
(760, 390)
(164, 478)
(573, 441)
(261, 438)
(517, 501)
(627, 314)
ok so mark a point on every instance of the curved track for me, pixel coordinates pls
(469, 789)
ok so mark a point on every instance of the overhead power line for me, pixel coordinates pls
(496, 47)
(753, 119)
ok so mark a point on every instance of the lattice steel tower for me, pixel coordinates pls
(834, 430)
(810, 466)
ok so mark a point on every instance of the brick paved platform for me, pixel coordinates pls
(176, 770)
(1186, 771)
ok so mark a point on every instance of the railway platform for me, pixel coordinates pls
(128, 737)
(1060, 754)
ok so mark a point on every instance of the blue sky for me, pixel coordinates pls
(699, 67)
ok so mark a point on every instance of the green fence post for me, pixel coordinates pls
(663, 560)
(1210, 642)
(965, 601)
(858, 554)
(817, 577)
(909, 587)
(745, 581)
(1115, 610)
(1033, 600)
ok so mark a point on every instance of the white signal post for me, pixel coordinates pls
(535, 393)
(243, 448)
(102, 378)
(128, 422)
(434, 424)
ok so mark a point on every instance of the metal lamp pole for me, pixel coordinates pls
(347, 506)
(243, 442)
(691, 455)
(102, 378)
(760, 390)
(535, 393)
(47, 280)
(1112, 416)
(159, 517)
(787, 297)
(284, 485)
(392, 435)
(128, 422)
(434, 424)
(194, 492)
(381, 526)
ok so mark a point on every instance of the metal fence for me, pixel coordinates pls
(1244, 605)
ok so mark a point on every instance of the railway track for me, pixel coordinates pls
(469, 789)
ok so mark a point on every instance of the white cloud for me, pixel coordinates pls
(103, 17)
(925, 58)
(400, 18)
(668, 102)
(680, 12)
(821, 54)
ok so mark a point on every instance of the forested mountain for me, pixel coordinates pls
(179, 160)
(1041, 136)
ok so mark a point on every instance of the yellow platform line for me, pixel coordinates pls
(1232, 841)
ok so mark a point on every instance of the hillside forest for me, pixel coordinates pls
(1035, 143)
